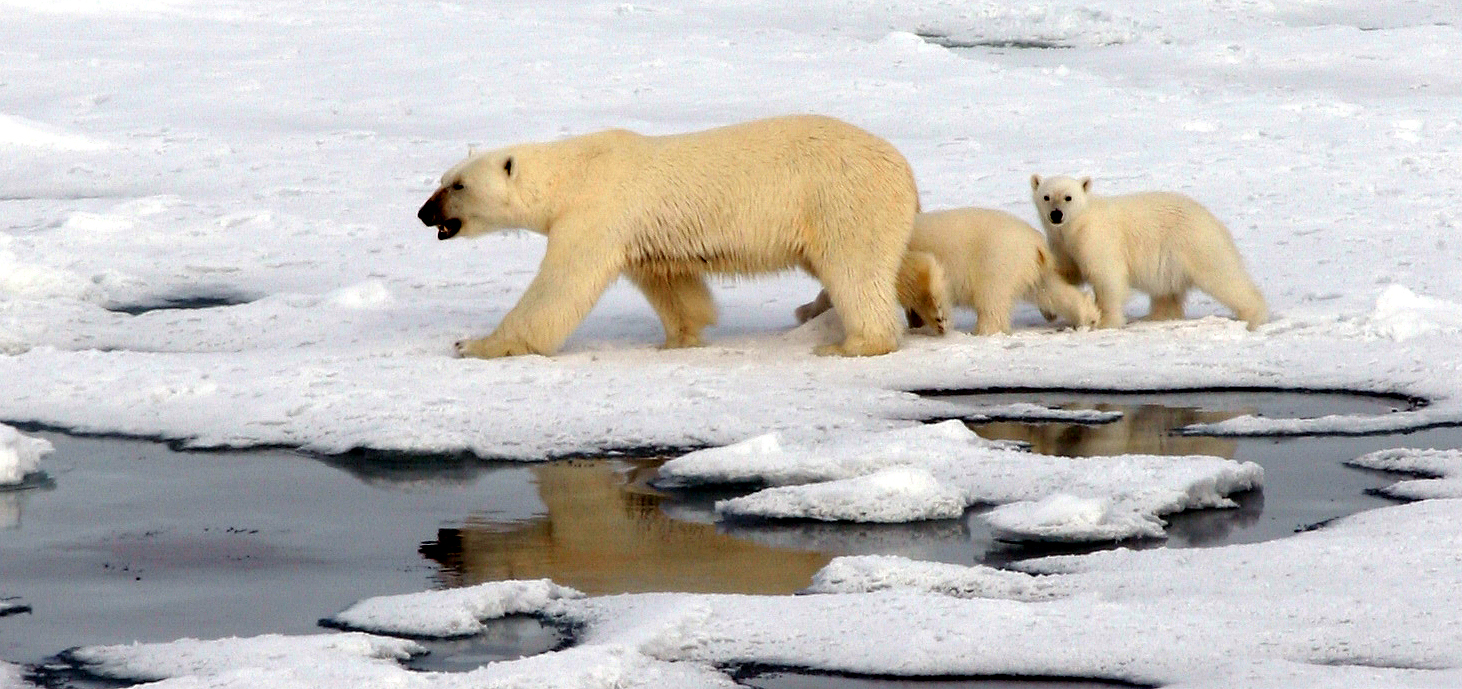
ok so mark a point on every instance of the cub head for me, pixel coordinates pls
(478, 195)
(1059, 199)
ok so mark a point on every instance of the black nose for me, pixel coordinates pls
(1055, 216)
(431, 211)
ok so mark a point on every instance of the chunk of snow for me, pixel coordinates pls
(346, 659)
(1402, 314)
(1442, 469)
(896, 494)
(451, 612)
(20, 454)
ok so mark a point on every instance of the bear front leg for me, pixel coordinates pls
(575, 271)
(1111, 291)
(683, 303)
(1167, 307)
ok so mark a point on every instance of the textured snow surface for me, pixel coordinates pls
(938, 470)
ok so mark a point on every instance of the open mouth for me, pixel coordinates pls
(449, 228)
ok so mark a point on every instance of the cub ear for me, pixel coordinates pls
(1086, 184)
(508, 166)
(1035, 182)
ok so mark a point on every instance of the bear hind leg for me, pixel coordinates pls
(867, 306)
(683, 303)
(1234, 289)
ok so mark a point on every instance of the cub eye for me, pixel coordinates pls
(1068, 198)
(458, 187)
(1047, 197)
(508, 166)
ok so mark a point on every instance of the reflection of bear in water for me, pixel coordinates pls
(1142, 430)
(603, 536)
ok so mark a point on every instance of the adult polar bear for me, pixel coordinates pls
(796, 191)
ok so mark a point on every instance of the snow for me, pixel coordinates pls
(10, 676)
(450, 613)
(20, 455)
(939, 470)
(1441, 471)
(272, 165)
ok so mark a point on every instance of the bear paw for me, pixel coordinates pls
(683, 341)
(851, 347)
(491, 348)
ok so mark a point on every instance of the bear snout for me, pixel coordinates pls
(1056, 216)
(431, 211)
(431, 215)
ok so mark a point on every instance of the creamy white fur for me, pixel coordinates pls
(796, 191)
(981, 258)
(1158, 242)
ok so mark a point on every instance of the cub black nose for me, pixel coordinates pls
(1055, 216)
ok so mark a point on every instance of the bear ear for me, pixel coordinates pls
(508, 166)
(1035, 182)
(471, 150)
(1086, 184)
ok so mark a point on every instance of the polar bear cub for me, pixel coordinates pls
(763, 196)
(981, 258)
(1158, 242)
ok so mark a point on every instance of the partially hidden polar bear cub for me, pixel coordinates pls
(981, 258)
(1158, 242)
(796, 191)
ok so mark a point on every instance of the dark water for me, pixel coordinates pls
(129, 540)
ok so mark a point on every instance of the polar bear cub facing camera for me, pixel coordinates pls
(1158, 242)
(763, 196)
(984, 259)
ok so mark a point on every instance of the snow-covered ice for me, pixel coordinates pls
(270, 165)
(1440, 472)
(1368, 601)
(939, 470)
(20, 455)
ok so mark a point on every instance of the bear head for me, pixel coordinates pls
(478, 195)
(1059, 199)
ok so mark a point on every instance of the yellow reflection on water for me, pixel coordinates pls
(604, 532)
(1142, 429)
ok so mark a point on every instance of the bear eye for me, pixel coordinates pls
(1047, 197)
(508, 166)
(458, 186)
(1068, 198)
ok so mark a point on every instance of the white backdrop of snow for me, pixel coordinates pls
(277, 156)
